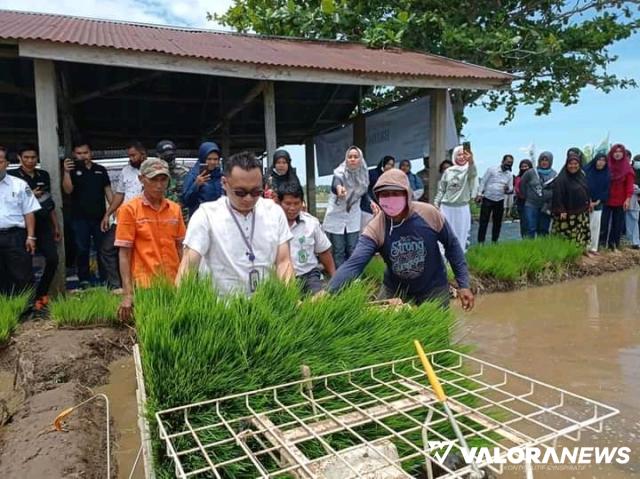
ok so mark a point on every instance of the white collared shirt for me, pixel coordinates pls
(308, 241)
(16, 200)
(213, 233)
(129, 184)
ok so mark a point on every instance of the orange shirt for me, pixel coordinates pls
(152, 234)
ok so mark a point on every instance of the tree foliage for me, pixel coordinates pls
(555, 48)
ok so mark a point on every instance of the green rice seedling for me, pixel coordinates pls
(197, 346)
(11, 307)
(95, 306)
(375, 270)
(520, 260)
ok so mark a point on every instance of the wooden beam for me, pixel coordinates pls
(47, 113)
(310, 164)
(123, 85)
(438, 127)
(173, 63)
(271, 139)
(248, 98)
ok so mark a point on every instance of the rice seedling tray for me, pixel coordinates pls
(379, 421)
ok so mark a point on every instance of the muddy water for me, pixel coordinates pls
(121, 391)
(583, 336)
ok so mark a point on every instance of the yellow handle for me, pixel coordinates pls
(433, 379)
(57, 423)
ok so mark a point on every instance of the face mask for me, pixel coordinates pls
(506, 167)
(393, 205)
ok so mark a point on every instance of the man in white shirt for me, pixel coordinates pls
(495, 185)
(309, 245)
(128, 187)
(17, 230)
(240, 237)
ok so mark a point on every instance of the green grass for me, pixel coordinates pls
(521, 260)
(10, 310)
(196, 346)
(94, 306)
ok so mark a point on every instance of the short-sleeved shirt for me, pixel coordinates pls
(16, 200)
(308, 241)
(213, 233)
(41, 181)
(88, 198)
(129, 184)
(152, 234)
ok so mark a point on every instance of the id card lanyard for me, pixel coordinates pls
(254, 275)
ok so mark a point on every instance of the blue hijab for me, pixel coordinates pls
(598, 180)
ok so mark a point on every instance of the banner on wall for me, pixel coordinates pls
(403, 132)
(331, 148)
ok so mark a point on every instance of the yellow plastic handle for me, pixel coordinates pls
(431, 374)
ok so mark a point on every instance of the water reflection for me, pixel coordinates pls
(581, 335)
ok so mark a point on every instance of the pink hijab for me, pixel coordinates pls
(619, 168)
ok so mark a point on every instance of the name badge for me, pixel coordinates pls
(254, 279)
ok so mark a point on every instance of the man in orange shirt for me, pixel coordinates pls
(149, 234)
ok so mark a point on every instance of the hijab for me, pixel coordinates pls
(619, 168)
(570, 190)
(277, 179)
(524, 162)
(546, 173)
(355, 181)
(598, 180)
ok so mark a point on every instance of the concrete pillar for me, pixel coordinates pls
(47, 115)
(310, 163)
(270, 119)
(437, 149)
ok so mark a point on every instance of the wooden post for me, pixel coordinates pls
(47, 114)
(310, 163)
(437, 148)
(270, 119)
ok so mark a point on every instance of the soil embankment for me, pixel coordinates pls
(43, 371)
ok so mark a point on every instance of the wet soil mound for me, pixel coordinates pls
(46, 370)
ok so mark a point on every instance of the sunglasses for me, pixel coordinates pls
(240, 193)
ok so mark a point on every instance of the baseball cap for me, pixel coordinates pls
(153, 167)
(165, 146)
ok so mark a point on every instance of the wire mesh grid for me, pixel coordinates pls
(380, 421)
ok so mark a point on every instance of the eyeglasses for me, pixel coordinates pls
(242, 193)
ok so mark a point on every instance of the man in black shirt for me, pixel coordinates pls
(47, 229)
(88, 184)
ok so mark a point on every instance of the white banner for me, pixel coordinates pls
(404, 132)
(331, 148)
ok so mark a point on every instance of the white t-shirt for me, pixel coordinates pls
(308, 241)
(213, 233)
(128, 183)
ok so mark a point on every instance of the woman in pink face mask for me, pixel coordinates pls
(406, 234)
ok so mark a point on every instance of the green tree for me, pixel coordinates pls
(555, 48)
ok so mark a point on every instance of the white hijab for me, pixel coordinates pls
(355, 181)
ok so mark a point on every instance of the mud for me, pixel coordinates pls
(606, 262)
(43, 371)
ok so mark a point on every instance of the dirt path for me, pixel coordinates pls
(44, 370)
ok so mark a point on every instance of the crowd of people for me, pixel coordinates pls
(229, 221)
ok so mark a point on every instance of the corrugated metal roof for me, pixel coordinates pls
(252, 49)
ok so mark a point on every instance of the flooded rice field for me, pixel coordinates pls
(582, 336)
